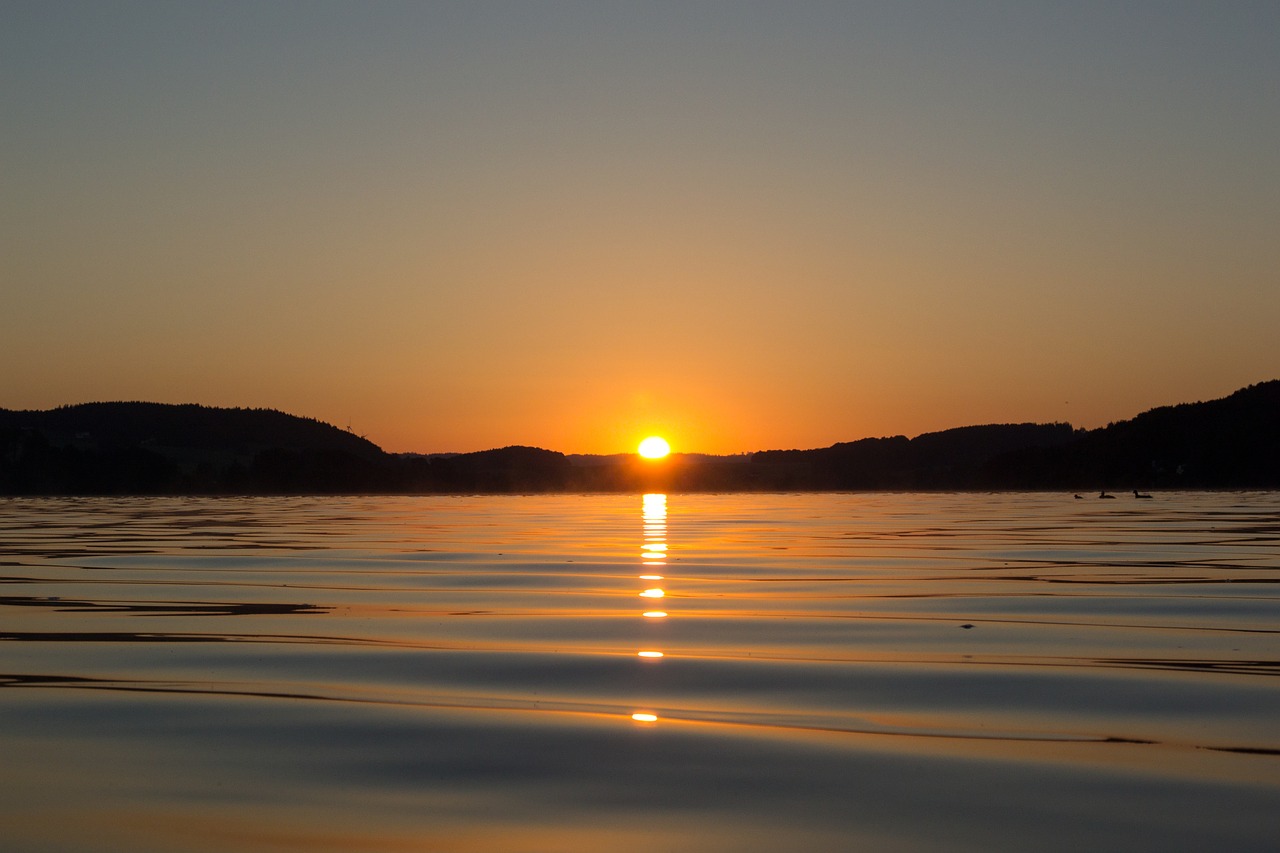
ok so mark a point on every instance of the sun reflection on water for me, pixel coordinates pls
(653, 548)
(653, 553)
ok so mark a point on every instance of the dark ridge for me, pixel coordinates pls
(1229, 443)
(151, 448)
(951, 459)
(187, 427)
(155, 448)
(508, 469)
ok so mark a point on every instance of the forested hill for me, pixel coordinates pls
(186, 427)
(151, 448)
(951, 459)
(1233, 442)
(155, 448)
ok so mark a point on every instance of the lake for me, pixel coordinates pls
(753, 672)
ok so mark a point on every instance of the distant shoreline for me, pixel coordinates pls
(116, 449)
(1123, 498)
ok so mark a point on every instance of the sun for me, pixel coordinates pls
(654, 447)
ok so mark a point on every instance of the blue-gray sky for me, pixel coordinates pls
(454, 226)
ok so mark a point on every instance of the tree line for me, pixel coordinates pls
(154, 449)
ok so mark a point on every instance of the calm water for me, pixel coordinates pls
(837, 672)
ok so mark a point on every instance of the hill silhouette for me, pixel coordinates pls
(1233, 442)
(951, 459)
(153, 448)
(187, 427)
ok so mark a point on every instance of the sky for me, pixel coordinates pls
(743, 226)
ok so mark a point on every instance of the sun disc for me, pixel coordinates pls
(654, 447)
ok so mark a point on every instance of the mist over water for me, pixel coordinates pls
(626, 672)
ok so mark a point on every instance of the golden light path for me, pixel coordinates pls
(653, 555)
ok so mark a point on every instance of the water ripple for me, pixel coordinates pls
(375, 663)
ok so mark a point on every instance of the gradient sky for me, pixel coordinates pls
(455, 226)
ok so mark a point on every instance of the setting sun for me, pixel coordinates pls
(654, 447)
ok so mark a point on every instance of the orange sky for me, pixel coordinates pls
(461, 226)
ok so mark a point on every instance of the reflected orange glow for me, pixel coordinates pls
(654, 447)
(641, 717)
(655, 551)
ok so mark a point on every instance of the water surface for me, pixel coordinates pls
(817, 672)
